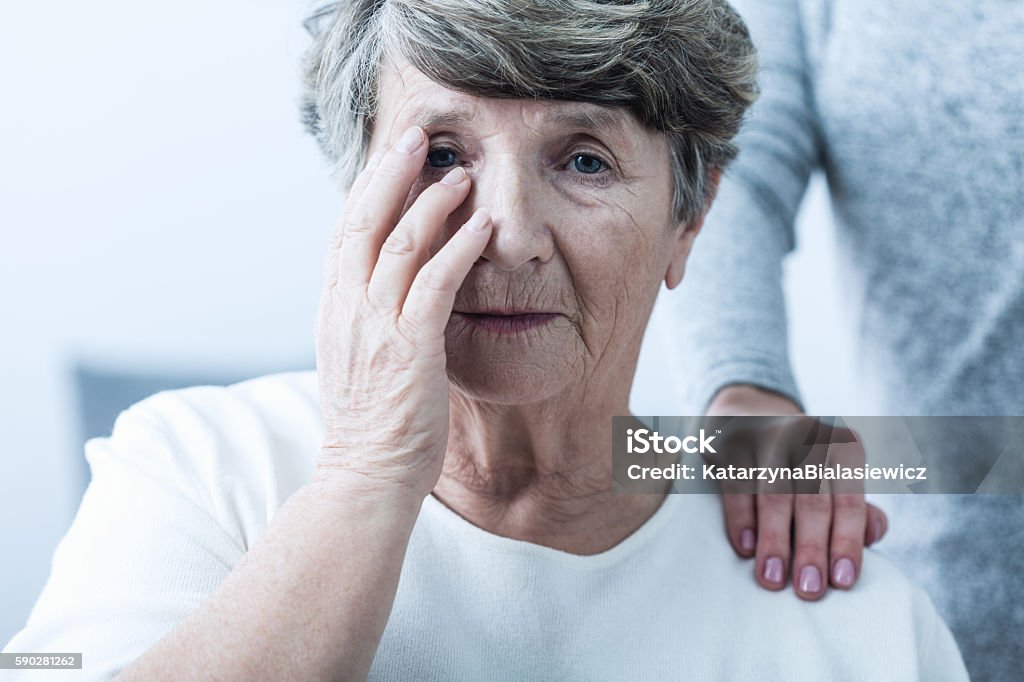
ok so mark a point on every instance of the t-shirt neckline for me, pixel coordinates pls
(437, 510)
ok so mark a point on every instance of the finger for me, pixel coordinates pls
(738, 502)
(805, 442)
(407, 248)
(741, 522)
(877, 525)
(338, 234)
(849, 514)
(774, 518)
(813, 513)
(432, 295)
(378, 208)
(849, 509)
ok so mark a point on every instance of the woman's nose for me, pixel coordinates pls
(520, 215)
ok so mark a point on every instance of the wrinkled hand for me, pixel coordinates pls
(380, 327)
(818, 539)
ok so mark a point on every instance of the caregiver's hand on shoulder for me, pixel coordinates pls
(818, 539)
(380, 343)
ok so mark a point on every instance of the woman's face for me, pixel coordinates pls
(580, 197)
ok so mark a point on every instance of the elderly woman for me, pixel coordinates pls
(434, 503)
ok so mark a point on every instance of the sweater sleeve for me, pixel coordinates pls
(729, 313)
(140, 555)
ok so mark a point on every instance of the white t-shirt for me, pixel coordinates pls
(189, 479)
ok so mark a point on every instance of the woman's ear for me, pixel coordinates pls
(685, 234)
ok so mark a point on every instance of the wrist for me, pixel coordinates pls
(352, 486)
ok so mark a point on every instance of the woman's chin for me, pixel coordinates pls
(504, 390)
(497, 376)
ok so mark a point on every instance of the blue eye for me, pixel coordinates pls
(585, 163)
(441, 157)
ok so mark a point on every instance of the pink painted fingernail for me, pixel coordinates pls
(810, 580)
(843, 572)
(773, 570)
(410, 141)
(748, 541)
(454, 176)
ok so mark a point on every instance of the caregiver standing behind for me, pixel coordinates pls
(914, 112)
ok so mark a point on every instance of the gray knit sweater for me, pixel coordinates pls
(915, 112)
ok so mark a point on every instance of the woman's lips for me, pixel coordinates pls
(510, 323)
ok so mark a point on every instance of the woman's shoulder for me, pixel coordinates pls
(238, 451)
(886, 624)
(891, 607)
(889, 614)
(257, 422)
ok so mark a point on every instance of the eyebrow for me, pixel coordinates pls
(601, 120)
(429, 118)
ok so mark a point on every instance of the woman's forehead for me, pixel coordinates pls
(408, 97)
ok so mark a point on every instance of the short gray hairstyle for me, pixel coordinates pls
(686, 68)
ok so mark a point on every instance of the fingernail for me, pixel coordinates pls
(478, 221)
(410, 141)
(748, 541)
(454, 176)
(843, 572)
(773, 570)
(810, 580)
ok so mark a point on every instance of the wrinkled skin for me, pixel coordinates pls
(510, 429)
(592, 248)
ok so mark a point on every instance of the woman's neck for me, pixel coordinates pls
(540, 473)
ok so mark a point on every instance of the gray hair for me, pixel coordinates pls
(686, 68)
